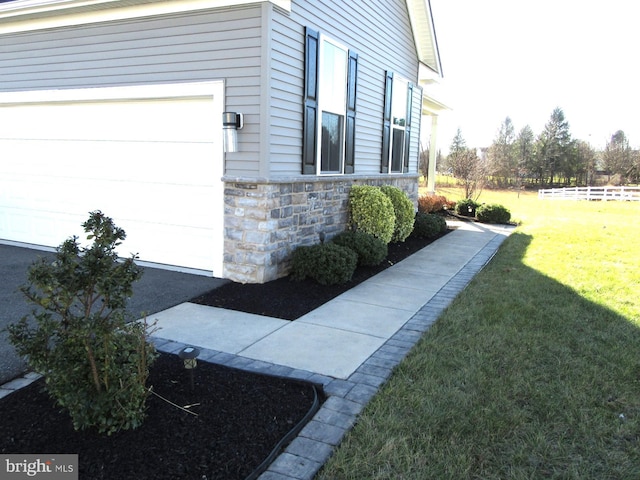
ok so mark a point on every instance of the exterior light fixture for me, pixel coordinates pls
(231, 123)
(189, 355)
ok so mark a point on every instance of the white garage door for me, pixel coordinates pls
(150, 157)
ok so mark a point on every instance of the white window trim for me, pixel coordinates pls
(31, 15)
(321, 104)
(397, 80)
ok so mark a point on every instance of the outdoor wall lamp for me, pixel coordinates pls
(231, 123)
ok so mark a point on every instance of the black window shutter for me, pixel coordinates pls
(350, 134)
(310, 121)
(407, 132)
(386, 123)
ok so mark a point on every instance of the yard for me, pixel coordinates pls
(532, 372)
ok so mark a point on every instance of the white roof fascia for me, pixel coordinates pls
(30, 15)
(424, 34)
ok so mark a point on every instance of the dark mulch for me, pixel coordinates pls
(241, 418)
(288, 299)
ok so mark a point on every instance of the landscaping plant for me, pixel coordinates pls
(371, 211)
(493, 213)
(95, 364)
(326, 263)
(403, 210)
(467, 207)
(371, 251)
(431, 203)
(428, 225)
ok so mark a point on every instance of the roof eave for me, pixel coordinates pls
(424, 33)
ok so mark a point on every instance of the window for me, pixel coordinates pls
(396, 124)
(329, 119)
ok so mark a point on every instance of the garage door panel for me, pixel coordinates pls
(188, 163)
(153, 165)
(116, 120)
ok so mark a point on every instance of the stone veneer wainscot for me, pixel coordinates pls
(265, 220)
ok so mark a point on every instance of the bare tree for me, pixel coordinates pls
(423, 163)
(467, 167)
(587, 162)
(617, 158)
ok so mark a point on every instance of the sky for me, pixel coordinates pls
(523, 58)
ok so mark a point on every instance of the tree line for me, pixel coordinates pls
(552, 158)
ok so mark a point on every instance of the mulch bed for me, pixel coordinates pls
(288, 300)
(241, 418)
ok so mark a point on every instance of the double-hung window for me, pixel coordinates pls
(396, 124)
(329, 118)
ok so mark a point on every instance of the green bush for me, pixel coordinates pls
(427, 225)
(467, 207)
(95, 364)
(404, 212)
(371, 251)
(493, 213)
(326, 263)
(371, 212)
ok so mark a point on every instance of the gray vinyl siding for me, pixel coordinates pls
(257, 49)
(286, 92)
(416, 112)
(380, 33)
(211, 45)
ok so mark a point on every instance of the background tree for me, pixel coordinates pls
(554, 147)
(634, 173)
(525, 152)
(587, 163)
(502, 154)
(423, 163)
(458, 145)
(466, 166)
(617, 158)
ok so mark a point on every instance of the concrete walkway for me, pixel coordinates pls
(350, 345)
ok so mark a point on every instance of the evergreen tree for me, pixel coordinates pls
(525, 151)
(502, 154)
(554, 147)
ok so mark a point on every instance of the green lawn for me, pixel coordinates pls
(532, 372)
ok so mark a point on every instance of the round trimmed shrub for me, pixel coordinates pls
(467, 207)
(403, 210)
(493, 213)
(371, 251)
(371, 212)
(428, 225)
(326, 263)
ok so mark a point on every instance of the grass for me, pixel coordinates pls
(532, 372)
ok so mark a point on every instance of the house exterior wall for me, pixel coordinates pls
(258, 50)
(266, 221)
(267, 216)
(380, 33)
(189, 47)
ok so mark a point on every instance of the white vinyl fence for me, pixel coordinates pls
(592, 193)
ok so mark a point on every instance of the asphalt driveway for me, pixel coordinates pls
(157, 290)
